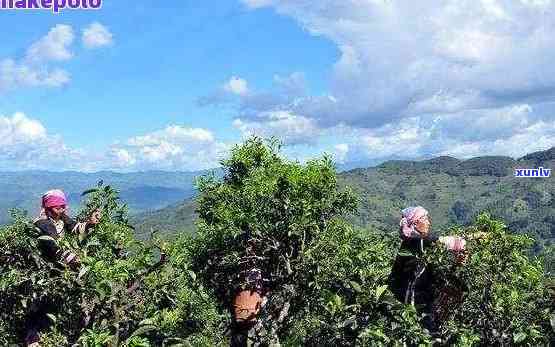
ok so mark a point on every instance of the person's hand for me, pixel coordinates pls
(95, 217)
(461, 257)
(479, 236)
(72, 260)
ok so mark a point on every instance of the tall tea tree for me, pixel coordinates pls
(266, 213)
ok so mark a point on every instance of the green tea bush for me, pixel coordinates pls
(506, 299)
(124, 293)
(324, 280)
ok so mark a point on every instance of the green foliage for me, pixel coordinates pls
(506, 299)
(124, 293)
(347, 301)
(454, 192)
(324, 279)
(286, 219)
(276, 216)
(265, 213)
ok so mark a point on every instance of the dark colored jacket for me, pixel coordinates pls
(410, 280)
(49, 248)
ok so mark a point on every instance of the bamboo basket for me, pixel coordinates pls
(246, 305)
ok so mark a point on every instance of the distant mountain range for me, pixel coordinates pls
(142, 191)
(453, 190)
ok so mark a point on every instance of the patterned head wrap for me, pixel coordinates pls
(409, 218)
(53, 198)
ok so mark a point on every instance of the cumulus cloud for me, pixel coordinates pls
(14, 75)
(55, 46)
(268, 113)
(34, 69)
(237, 86)
(249, 102)
(291, 129)
(518, 133)
(26, 144)
(465, 75)
(96, 35)
(19, 129)
(340, 152)
(173, 148)
(228, 92)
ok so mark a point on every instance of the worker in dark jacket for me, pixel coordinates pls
(54, 222)
(411, 280)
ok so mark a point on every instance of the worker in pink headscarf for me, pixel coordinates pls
(54, 222)
(411, 280)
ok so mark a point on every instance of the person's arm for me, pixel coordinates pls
(82, 228)
(478, 236)
(453, 243)
(457, 245)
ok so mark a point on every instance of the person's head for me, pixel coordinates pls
(56, 212)
(415, 222)
(54, 203)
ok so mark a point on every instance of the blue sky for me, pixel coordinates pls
(159, 85)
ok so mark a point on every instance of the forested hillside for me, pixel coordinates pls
(454, 191)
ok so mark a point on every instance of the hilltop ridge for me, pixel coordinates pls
(453, 190)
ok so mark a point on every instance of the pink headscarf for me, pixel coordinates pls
(53, 198)
(409, 217)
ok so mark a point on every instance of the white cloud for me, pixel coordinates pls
(237, 86)
(26, 144)
(121, 158)
(285, 91)
(293, 85)
(424, 78)
(55, 46)
(396, 57)
(289, 128)
(96, 35)
(341, 151)
(34, 69)
(517, 132)
(19, 128)
(173, 148)
(14, 75)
